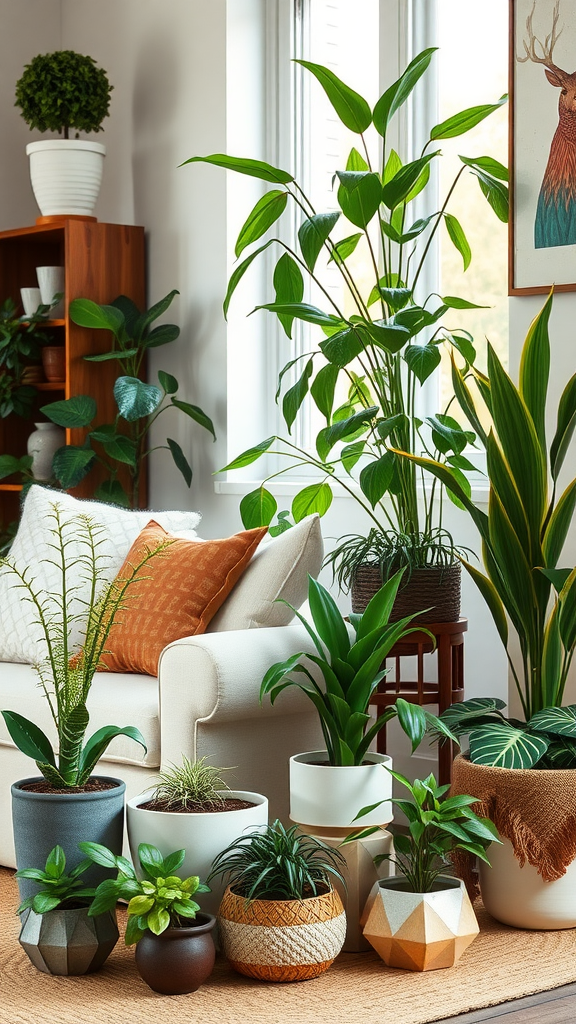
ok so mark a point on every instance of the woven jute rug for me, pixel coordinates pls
(501, 964)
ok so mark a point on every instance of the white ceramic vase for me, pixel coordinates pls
(519, 895)
(326, 796)
(43, 443)
(66, 175)
(202, 835)
(51, 283)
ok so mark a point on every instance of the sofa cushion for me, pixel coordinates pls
(32, 551)
(278, 571)
(175, 594)
(136, 696)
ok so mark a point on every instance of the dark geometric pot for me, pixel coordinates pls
(435, 587)
(68, 941)
(44, 820)
(180, 959)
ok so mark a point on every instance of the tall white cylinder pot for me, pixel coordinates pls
(66, 175)
(327, 796)
(42, 445)
(201, 834)
(519, 896)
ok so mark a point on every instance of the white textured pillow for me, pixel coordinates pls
(279, 569)
(20, 634)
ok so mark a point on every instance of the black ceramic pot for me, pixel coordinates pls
(44, 820)
(68, 941)
(180, 959)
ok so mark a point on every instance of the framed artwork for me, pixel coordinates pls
(542, 146)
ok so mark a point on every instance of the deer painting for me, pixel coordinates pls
(555, 222)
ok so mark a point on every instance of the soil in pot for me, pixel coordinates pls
(231, 804)
(94, 785)
(180, 959)
(436, 587)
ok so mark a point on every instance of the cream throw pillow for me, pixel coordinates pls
(278, 569)
(20, 635)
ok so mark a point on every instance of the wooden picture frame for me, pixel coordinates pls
(542, 142)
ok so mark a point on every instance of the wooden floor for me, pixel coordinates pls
(555, 1007)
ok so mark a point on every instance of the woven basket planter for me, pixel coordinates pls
(436, 587)
(282, 940)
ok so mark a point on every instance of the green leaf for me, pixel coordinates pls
(558, 721)
(253, 168)
(257, 508)
(56, 862)
(503, 746)
(136, 399)
(249, 456)
(566, 422)
(87, 313)
(397, 190)
(359, 196)
(328, 620)
(168, 382)
(323, 387)
(99, 742)
(446, 437)
(315, 498)
(158, 920)
(312, 234)
(413, 721)
(488, 164)
(164, 334)
(78, 411)
(344, 248)
(460, 717)
(289, 287)
(376, 477)
(180, 460)
(43, 904)
(112, 492)
(295, 395)
(118, 353)
(238, 273)
(303, 311)
(348, 426)
(460, 123)
(453, 302)
(343, 347)
(9, 464)
(195, 413)
(70, 464)
(422, 360)
(266, 212)
(458, 238)
(490, 595)
(352, 109)
(29, 738)
(150, 315)
(118, 447)
(350, 455)
(99, 854)
(497, 195)
(398, 93)
(558, 526)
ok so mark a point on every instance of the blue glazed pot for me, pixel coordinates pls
(44, 820)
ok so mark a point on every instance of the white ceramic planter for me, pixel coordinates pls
(66, 175)
(331, 797)
(42, 445)
(519, 895)
(201, 835)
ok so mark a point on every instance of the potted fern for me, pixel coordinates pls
(67, 802)
(191, 807)
(62, 92)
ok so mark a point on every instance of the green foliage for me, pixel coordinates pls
(63, 90)
(20, 346)
(437, 824)
(275, 863)
(350, 672)
(66, 672)
(57, 888)
(190, 783)
(159, 901)
(383, 341)
(123, 444)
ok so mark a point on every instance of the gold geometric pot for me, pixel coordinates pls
(282, 940)
(420, 931)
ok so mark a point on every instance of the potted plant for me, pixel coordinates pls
(379, 345)
(327, 787)
(174, 945)
(66, 801)
(124, 444)
(57, 934)
(521, 769)
(191, 807)
(60, 92)
(280, 919)
(422, 919)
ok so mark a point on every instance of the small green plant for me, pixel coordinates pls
(57, 888)
(63, 90)
(122, 444)
(275, 863)
(190, 784)
(351, 672)
(159, 901)
(66, 672)
(437, 825)
(20, 346)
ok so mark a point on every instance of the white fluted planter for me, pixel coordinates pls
(66, 175)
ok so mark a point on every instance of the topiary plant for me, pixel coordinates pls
(63, 90)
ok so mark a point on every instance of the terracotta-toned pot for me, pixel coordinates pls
(282, 940)
(180, 959)
(54, 362)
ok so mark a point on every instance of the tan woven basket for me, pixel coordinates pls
(282, 940)
(434, 587)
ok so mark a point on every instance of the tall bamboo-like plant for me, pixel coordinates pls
(389, 344)
(67, 670)
(523, 535)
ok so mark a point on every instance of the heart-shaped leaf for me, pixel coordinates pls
(135, 398)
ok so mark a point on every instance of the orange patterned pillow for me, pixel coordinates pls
(174, 595)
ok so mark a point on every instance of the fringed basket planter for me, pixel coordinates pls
(435, 587)
(532, 879)
(282, 940)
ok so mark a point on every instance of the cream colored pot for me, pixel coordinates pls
(519, 896)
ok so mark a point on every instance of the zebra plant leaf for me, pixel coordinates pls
(468, 713)
(501, 745)
(559, 721)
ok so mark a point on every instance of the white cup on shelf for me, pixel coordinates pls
(51, 282)
(31, 299)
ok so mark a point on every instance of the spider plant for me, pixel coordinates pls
(190, 784)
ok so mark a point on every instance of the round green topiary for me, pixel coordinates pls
(63, 90)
